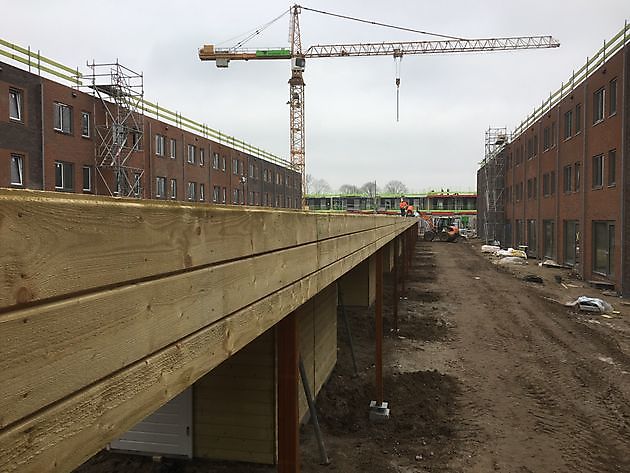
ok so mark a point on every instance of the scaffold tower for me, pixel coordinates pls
(119, 130)
(494, 177)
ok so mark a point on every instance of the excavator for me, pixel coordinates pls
(444, 228)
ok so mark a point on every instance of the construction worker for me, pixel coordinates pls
(403, 207)
(410, 211)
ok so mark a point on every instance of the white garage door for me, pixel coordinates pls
(168, 431)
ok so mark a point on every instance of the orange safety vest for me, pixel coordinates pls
(410, 209)
(404, 205)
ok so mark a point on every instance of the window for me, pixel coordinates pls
(191, 191)
(62, 118)
(598, 171)
(159, 145)
(529, 188)
(571, 241)
(64, 176)
(235, 166)
(17, 170)
(549, 247)
(173, 148)
(612, 167)
(567, 179)
(87, 178)
(546, 142)
(137, 182)
(202, 192)
(603, 247)
(598, 105)
(568, 124)
(173, 189)
(202, 156)
(251, 170)
(223, 163)
(15, 105)
(160, 187)
(191, 154)
(554, 135)
(552, 182)
(577, 167)
(224, 195)
(85, 125)
(235, 196)
(612, 97)
(546, 188)
(578, 118)
(216, 192)
(215, 160)
(135, 138)
(532, 244)
(536, 143)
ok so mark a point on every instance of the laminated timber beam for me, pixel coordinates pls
(109, 308)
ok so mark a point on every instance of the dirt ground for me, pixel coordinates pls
(484, 375)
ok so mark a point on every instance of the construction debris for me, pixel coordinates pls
(533, 278)
(591, 304)
(506, 260)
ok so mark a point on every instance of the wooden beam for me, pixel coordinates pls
(59, 244)
(45, 348)
(288, 355)
(379, 327)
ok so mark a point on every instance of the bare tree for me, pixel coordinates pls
(308, 181)
(370, 189)
(320, 186)
(395, 187)
(349, 189)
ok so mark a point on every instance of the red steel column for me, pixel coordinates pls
(395, 301)
(288, 383)
(379, 326)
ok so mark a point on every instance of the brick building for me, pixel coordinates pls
(49, 139)
(557, 184)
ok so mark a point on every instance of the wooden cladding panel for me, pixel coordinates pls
(235, 405)
(117, 353)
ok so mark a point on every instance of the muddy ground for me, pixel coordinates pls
(486, 374)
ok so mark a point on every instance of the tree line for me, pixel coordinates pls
(371, 189)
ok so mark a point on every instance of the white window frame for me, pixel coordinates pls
(160, 186)
(59, 115)
(173, 148)
(159, 145)
(215, 160)
(137, 180)
(202, 156)
(18, 104)
(17, 161)
(190, 154)
(63, 166)
(202, 192)
(190, 191)
(596, 108)
(86, 125)
(89, 188)
(173, 189)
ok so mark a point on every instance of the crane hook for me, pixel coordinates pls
(397, 61)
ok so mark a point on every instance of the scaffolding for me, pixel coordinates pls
(493, 185)
(119, 129)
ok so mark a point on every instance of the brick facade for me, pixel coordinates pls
(54, 151)
(571, 165)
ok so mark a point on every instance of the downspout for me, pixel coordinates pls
(43, 131)
(584, 178)
(558, 192)
(624, 142)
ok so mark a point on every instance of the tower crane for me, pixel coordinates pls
(297, 55)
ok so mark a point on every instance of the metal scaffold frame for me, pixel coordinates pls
(121, 94)
(494, 177)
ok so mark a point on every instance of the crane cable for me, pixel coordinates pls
(385, 25)
(397, 65)
(253, 33)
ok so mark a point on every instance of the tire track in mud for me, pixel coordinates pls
(572, 403)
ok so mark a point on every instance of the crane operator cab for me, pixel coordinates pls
(298, 64)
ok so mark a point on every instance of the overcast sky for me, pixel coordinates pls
(447, 101)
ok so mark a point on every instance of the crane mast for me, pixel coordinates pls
(296, 99)
(222, 57)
